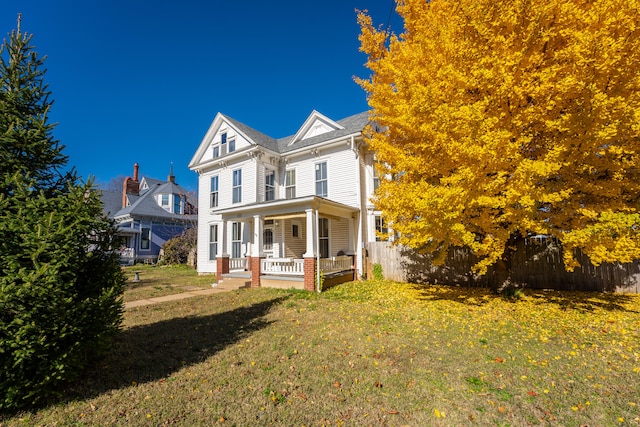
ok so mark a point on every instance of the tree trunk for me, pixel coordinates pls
(503, 281)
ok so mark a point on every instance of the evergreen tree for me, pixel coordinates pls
(60, 285)
(26, 141)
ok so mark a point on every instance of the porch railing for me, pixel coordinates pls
(282, 266)
(334, 264)
(238, 264)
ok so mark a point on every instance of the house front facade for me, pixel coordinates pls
(290, 212)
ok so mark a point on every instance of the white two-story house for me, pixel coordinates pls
(273, 210)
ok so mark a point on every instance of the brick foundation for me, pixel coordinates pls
(222, 266)
(310, 274)
(254, 266)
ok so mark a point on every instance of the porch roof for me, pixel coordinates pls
(287, 208)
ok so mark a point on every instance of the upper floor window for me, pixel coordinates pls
(232, 145)
(164, 199)
(216, 151)
(269, 186)
(376, 176)
(214, 192)
(223, 143)
(321, 179)
(382, 232)
(237, 186)
(290, 184)
(177, 204)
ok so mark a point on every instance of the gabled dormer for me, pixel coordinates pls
(316, 124)
(227, 137)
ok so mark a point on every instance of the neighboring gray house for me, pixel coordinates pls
(148, 212)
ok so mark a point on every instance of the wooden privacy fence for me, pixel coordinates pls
(537, 263)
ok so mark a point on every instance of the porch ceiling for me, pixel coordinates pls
(289, 208)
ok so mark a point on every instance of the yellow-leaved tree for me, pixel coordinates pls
(507, 118)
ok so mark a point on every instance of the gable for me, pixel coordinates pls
(316, 124)
(226, 136)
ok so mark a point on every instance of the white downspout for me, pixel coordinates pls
(318, 284)
(359, 238)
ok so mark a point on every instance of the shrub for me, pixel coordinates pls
(177, 250)
(377, 272)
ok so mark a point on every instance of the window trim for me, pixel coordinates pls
(236, 186)
(322, 181)
(213, 242)
(288, 185)
(215, 192)
(269, 188)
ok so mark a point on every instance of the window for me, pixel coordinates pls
(232, 145)
(165, 199)
(269, 186)
(213, 242)
(290, 184)
(216, 151)
(382, 231)
(323, 237)
(237, 186)
(145, 238)
(376, 176)
(223, 143)
(321, 179)
(214, 192)
(267, 239)
(236, 240)
(295, 229)
(177, 204)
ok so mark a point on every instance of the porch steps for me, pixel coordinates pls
(235, 280)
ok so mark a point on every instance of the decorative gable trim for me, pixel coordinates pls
(315, 124)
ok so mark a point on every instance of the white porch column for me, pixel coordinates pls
(311, 231)
(257, 246)
(224, 246)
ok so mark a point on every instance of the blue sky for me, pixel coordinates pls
(141, 80)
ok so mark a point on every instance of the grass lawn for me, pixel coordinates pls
(158, 281)
(369, 353)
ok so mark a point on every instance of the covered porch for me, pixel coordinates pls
(305, 243)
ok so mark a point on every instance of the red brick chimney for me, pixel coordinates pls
(131, 186)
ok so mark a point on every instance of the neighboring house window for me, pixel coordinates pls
(267, 239)
(213, 242)
(232, 145)
(323, 237)
(177, 204)
(145, 238)
(290, 184)
(165, 199)
(382, 231)
(236, 240)
(214, 191)
(237, 186)
(321, 179)
(269, 186)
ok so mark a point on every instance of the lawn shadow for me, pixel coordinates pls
(566, 300)
(151, 352)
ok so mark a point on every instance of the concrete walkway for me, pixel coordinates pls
(182, 295)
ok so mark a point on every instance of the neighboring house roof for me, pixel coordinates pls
(144, 204)
(111, 202)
